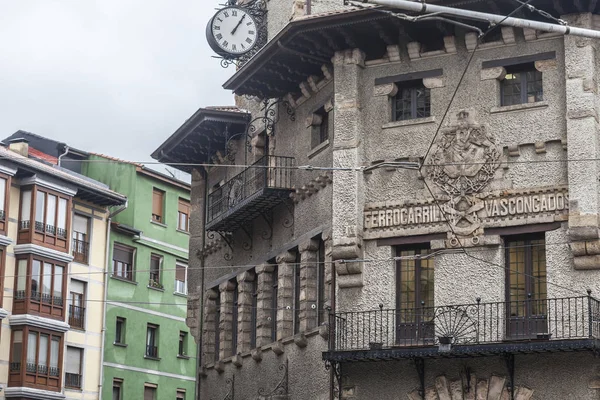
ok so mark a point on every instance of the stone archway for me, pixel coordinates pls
(494, 388)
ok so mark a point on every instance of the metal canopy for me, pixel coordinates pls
(306, 44)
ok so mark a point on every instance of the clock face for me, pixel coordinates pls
(232, 31)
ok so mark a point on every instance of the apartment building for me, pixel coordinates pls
(54, 226)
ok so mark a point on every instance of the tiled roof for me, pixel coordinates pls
(60, 173)
(41, 155)
(116, 159)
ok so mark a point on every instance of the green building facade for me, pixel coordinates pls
(149, 352)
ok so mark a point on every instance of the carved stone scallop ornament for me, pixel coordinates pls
(463, 162)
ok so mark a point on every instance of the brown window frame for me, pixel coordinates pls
(37, 379)
(180, 394)
(120, 334)
(41, 232)
(184, 208)
(118, 383)
(77, 313)
(178, 266)
(129, 272)
(155, 272)
(152, 348)
(153, 388)
(34, 302)
(158, 215)
(5, 206)
(74, 382)
(81, 242)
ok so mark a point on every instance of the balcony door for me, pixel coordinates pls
(526, 293)
(414, 296)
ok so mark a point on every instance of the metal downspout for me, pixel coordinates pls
(108, 222)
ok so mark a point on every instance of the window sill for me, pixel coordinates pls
(118, 278)
(182, 357)
(73, 389)
(158, 223)
(155, 288)
(120, 344)
(409, 122)
(152, 358)
(318, 149)
(179, 294)
(182, 231)
(519, 107)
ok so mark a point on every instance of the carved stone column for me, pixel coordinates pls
(285, 295)
(308, 284)
(245, 297)
(264, 303)
(583, 141)
(225, 323)
(348, 152)
(209, 331)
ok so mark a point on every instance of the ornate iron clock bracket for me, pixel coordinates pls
(268, 119)
(509, 360)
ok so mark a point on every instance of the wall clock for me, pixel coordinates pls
(236, 33)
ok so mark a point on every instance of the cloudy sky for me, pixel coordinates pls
(110, 76)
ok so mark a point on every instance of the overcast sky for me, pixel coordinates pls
(109, 76)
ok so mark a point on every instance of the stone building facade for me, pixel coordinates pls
(435, 232)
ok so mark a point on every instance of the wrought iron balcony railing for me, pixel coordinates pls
(450, 327)
(80, 251)
(256, 189)
(73, 380)
(76, 316)
(152, 351)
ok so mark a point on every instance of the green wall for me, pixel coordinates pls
(140, 304)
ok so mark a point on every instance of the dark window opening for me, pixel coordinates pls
(152, 341)
(217, 325)
(253, 313)
(521, 85)
(120, 331)
(296, 304)
(234, 321)
(412, 101)
(321, 311)
(275, 275)
(321, 128)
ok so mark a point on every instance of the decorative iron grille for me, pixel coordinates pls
(480, 323)
(269, 172)
(76, 316)
(80, 251)
(73, 380)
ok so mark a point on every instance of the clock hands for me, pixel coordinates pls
(238, 25)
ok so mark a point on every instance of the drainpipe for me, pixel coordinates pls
(63, 154)
(202, 285)
(109, 220)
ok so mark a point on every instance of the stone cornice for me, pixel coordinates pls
(34, 394)
(38, 322)
(5, 240)
(3, 313)
(42, 252)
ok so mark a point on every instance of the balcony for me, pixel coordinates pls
(80, 251)
(254, 191)
(76, 317)
(480, 329)
(72, 381)
(42, 234)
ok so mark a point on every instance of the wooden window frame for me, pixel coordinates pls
(71, 303)
(30, 231)
(5, 207)
(148, 353)
(158, 218)
(31, 303)
(25, 376)
(81, 247)
(522, 70)
(77, 387)
(118, 382)
(120, 335)
(155, 276)
(184, 207)
(124, 247)
(412, 87)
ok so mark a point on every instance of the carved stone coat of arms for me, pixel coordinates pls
(462, 163)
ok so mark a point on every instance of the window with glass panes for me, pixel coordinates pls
(321, 127)
(76, 304)
(180, 278)
(117, 389)
(414, 295)
(123, 261)
(73, 373)
(4, 201)
(526, 290)
(39, 287)
(182, 351)
(521, 85)
(183, 220)
(80, 245)
(155, 266)
(158, 198)
(152, 341)
(412, 101)
(120, 326)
